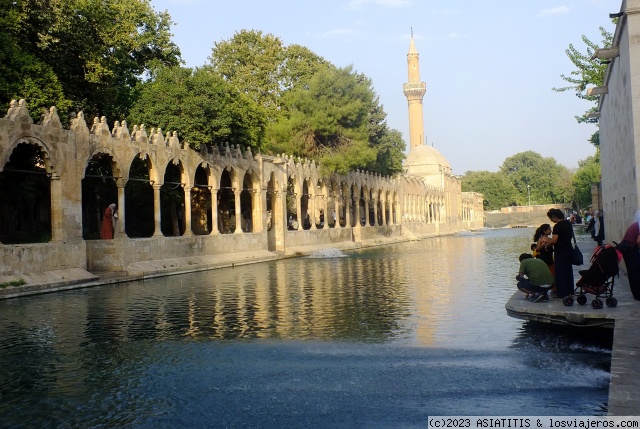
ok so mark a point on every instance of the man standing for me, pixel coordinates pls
(534, 277)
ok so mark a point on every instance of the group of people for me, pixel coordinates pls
(549, 267)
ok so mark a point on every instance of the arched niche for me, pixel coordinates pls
(25, 196)
(172, 201)
(99, 190)
(138, 199)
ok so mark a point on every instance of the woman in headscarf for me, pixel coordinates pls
(108, 222)
(631, 254)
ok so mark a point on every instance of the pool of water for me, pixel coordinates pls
(381, 337)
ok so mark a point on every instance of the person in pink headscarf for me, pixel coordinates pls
(630, 246)
(108, 221)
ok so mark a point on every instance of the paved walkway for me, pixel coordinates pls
(624, 387)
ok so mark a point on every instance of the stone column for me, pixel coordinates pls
(375, 212)
(366, 212)
(214, 212)
(336, 210)
(312, 216)
(120, 224)
(325, 207)
(156, 210)
(298, 212)
(236, 194)
(187, 212)
(57, 233)
(347, 210)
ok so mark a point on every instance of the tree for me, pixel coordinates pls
(98, 51)
(262, 67)
(587, 174)
(531, 173)
(336, 120)
(589, 72)
(201, 106)
(497, 189)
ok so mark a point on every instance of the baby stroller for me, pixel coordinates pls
(598, 279)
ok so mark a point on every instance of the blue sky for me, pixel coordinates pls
(489, 66)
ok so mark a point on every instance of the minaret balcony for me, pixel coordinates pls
(414, 89)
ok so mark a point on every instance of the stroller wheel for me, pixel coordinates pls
(611, 301)
(596, 304)
(582, 300)
(568, 301)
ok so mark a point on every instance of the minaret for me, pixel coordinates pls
(414, 90)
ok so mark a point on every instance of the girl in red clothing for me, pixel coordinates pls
(108, 221)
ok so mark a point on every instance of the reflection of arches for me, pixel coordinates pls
(98, 191)
(201, 202)
(172, 208)
(226, 204)
(138, 197)
(25, 187)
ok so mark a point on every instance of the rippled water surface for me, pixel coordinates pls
(382, 337)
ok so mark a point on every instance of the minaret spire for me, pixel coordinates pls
(414, 90)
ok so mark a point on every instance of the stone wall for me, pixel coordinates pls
(386, 202)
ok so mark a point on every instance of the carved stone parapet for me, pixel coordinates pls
(51, 119)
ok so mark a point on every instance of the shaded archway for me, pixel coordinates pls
(246, 203)
(292, 205)
(98, 191)
(172, 220)
(201, 202)
(304, 205)
(138, 199)
(226, 204)
(25, 197)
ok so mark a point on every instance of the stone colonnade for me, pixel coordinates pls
(270, 192)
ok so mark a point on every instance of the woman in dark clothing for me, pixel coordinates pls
(562, 252)
(631, 255)
(541, 238)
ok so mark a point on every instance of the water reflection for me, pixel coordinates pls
(423, 319)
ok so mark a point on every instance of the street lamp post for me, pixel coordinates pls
(529, 193)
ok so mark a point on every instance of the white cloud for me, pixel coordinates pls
(553, 11)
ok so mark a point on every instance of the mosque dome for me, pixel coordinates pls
(426, 160)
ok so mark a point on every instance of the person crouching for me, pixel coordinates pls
(534, 278)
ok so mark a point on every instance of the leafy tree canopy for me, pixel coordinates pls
(497, 189)
(336, 119)
(85, 54)
(260, 66)
(589, 72)
(532, 174)
(588, 173)
(201, 106)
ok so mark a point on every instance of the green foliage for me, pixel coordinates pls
(85, 54)
(18, 282)
(590, 72)
(336, 119)
(587, 174)
(262, 67)
(201, 106)
(542, 175)
(497, 189)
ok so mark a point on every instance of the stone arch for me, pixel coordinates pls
(172, 199)
(26, 189)
(202, 201)
(99, 190)
(305, 200)
(139, 197)
(227, 201)
(248, 206)
(292, 203)
(320, 203)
